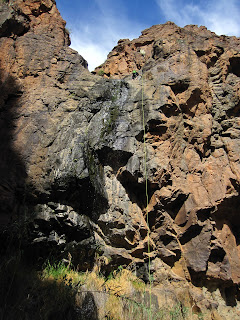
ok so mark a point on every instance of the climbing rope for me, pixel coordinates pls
(147, 200)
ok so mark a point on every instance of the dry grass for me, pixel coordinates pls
(121, 296)
(120, 286)
(94, 281)
(121, 283)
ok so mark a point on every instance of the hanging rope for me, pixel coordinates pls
(147, 199)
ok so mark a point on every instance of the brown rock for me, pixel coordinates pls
(74, 158)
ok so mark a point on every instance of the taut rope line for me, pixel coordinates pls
(147, 198)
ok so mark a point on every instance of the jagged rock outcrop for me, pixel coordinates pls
(72, 156)
(191, 80)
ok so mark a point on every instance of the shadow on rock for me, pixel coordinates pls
(25, 295)
(12, 169)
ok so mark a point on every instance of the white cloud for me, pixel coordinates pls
(97, 32)
(92, 49)
(223, 17)
(93, 53)
(96, 39)
(220, 16)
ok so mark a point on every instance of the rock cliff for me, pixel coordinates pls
(76, 157)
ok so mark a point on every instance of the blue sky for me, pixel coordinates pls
(97, 25)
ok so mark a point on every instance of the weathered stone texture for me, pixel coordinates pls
(72, 153)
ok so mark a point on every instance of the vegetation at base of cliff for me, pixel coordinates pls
(60, 292)
(121, 295)
(57, 290)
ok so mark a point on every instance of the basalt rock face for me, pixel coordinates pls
(75, 153)
(190, 79)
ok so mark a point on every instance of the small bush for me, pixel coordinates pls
(101, 72)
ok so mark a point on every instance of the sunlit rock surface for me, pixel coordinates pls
(72, 156)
